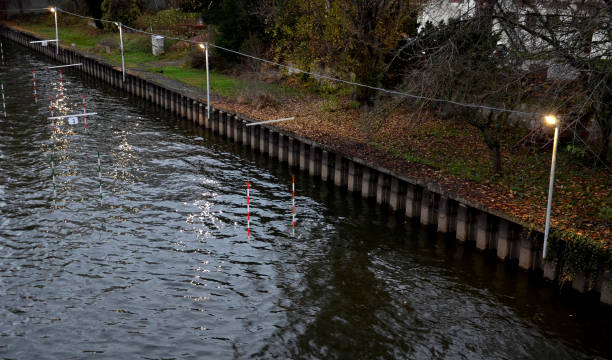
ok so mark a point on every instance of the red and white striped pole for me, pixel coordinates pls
(248, 209)
(293, 204)
(34, 80)
(53, 180)
(51, 108)
(3, 99)
(84, 111)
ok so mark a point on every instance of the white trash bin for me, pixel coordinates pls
(157, 44)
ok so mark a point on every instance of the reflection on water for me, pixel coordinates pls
(162, 267)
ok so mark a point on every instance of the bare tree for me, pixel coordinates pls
(507, 54)
(574, 39)
(461, 60)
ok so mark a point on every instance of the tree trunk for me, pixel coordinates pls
(603, 116)
(491, 138)
(497, 165)
(605, 141)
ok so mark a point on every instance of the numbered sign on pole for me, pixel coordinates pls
(44, 43)
(73, 120)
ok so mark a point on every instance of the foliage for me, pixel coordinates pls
(582, 195)
(576, 151)
(185, 5)
(578, 254)
(197, 58)
(330, 103)
(460, 65)
(134, 44)
(254, 95)
(95, 10)
(576, 35)
(167, 20)
(235, 22)
(605, 214)
(219, 84)
(352, 37)
(123, 11)
(193, 6)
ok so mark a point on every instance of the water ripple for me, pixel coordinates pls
(161, 266)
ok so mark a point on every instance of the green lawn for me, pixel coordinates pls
(67, 34)
(137, 54)
(219, 84)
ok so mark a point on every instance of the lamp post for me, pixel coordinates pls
(551, 120)
(121, 43)
(205, 47)
(54, 11)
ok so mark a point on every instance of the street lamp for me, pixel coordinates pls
(54, 11)
(553, 121)
(121, 42)
(205, 47)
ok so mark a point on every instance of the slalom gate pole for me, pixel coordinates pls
(99, 176)
(84, 111)
(248, 209)
(61, 83)
(3, 99)
(51, 108)
(293, 204)
(34, 82)
(207, 84)
(53, 179)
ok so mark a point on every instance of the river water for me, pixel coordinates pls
(161, 266)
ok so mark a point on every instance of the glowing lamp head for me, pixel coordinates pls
(202, 46)
(52, 9)
(551, 120)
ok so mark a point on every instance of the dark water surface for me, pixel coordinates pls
(161, 267)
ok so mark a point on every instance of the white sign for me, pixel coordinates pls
(73, 120)
(44, 43)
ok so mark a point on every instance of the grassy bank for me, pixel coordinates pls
(419, 145)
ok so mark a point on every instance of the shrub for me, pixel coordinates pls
(197, 58)
(138, 43)
(123, 11)
(235, 22)
(168, 20)
(576, 151)
(255, 94)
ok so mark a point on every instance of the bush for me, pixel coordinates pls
(197, 58)
(235, 23)
(576, 151)
(123, 11)
(168, 20)
(138, 43)
(255, 94)
(192, 5)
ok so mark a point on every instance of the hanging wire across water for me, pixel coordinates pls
(321, 76)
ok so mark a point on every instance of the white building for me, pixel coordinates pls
(556, 15)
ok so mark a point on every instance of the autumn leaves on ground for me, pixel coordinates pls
(420, 145)
(453, 155)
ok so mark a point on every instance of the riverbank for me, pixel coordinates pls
(161, 266)
(493, 196)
